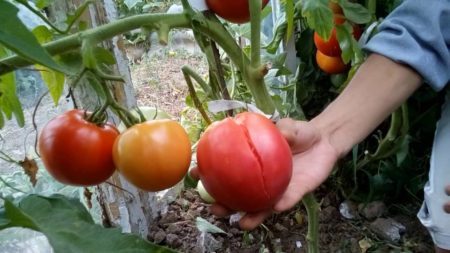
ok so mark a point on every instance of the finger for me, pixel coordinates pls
(447, 190)
(252, 220)
(447, 207)
(289, 199)
(299, 134)
(219, 210)
(194, 173)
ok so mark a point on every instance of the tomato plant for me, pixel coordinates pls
(76, 151)
(330, 64)
(244, 162)
(153, 155)
(236, 11)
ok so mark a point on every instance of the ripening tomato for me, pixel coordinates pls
(77, 152)
(330, 64)
(154, 155)
(244, 162)
(236, 11)
(330, 47)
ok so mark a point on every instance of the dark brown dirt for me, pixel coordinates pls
(285, 232)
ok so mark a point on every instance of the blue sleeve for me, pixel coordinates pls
(417, 33)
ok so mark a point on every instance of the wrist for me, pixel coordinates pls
(332, 133)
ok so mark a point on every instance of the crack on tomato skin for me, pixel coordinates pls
(257, 156)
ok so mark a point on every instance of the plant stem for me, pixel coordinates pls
(255, 24)
(312, 209)
(220, 76)
(188, 72)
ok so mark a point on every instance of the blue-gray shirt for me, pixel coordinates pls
(417, 33)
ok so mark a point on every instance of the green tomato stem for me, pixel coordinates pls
(188, 73)
(255, 24)
(312, 209)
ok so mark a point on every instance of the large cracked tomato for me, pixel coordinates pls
(75, 151)
(154, 155)
(236, 11)
(244, 162)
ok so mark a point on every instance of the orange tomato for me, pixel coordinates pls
(154, 155)
(330, 64)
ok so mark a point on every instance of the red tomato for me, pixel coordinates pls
(331, 47)
(330, 64)
(236, 11)
(154, 155)
(77, 152)
(244, 162)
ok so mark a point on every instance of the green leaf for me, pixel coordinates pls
(204, 226)
(4, 222)
(2, 120)
(280, 31)
(403, 151)
(104, 56)
(131, 3)
(54, 81)
(318, 16)
(69, 227)
(351, 51)
(15, 36)
(72, 18)
(9, 102)
(71, 60)
(355, 12)
(344, 36)
(41, 4)
(42, 34)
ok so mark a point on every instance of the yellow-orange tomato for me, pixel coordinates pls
(154, 155)
(330, 65)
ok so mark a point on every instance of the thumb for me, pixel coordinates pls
(300, 135)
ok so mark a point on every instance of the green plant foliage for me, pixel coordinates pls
(355, 12)
(16, 37)
(9, 102)
(319, 16)
(69, 227)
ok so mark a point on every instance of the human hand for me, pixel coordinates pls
(313, 161)
(447, 205)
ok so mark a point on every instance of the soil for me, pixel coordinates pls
(159, 82)
(284, 232)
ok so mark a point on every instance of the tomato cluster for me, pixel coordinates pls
(236, 11)
(153, 155)
(244, 162)
(328, 55)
